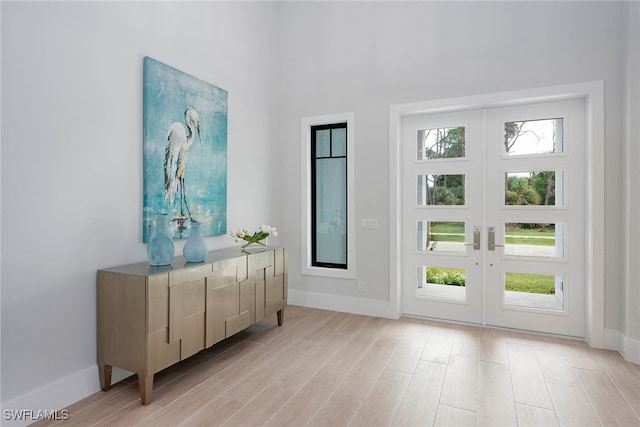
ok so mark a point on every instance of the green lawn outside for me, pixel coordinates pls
(533, 283)
(454, 232)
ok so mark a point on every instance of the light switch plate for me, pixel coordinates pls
(369, 223)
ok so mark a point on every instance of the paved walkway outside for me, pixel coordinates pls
(509, 249)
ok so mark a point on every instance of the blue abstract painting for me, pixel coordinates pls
(185, 151)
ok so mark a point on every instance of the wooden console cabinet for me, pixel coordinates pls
(152, 317)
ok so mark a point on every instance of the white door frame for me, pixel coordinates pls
(593, 94)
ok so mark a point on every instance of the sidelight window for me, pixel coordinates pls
(329, 195)
(328, 172)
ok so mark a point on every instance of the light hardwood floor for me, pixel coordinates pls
(323, 368)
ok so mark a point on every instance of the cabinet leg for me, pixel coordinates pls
(104, 371)
(146, 386)
(280, 315)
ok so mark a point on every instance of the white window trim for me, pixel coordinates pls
(307, 268)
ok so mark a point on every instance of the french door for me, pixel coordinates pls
(493, 216)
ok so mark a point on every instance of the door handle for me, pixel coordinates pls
(491, 239)
(476, 239)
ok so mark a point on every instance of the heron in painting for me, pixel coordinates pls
(179, 139)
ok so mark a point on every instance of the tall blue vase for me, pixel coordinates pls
(195, 250)
(160, 249)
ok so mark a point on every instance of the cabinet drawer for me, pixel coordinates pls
(186, 316)
(223, 302)
(193, 339)
(237, 323)
(158, 303)
(162, 353)
(279, 262)
(190, 274)
(263, 259)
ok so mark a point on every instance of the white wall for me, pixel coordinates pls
(365, 56)
(630, 326)
(72, 159)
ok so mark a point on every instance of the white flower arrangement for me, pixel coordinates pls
(257, 237)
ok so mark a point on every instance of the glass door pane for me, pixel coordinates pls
(441, 236)
(537, 291)
(441, 204)
(527, 239)
(540, 136)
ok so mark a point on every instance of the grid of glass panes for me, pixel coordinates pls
(534, 189)
(440, 189)
(329, 195)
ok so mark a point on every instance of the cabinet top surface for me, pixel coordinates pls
(145, 269)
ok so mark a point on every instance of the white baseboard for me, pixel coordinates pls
(42, 402)
(344, 304)
(627, 347)
(632, 351)
(51, 397)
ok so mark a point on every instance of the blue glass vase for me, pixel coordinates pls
(160, 249)
(195, 250)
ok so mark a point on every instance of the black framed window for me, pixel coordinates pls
(329, 196)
